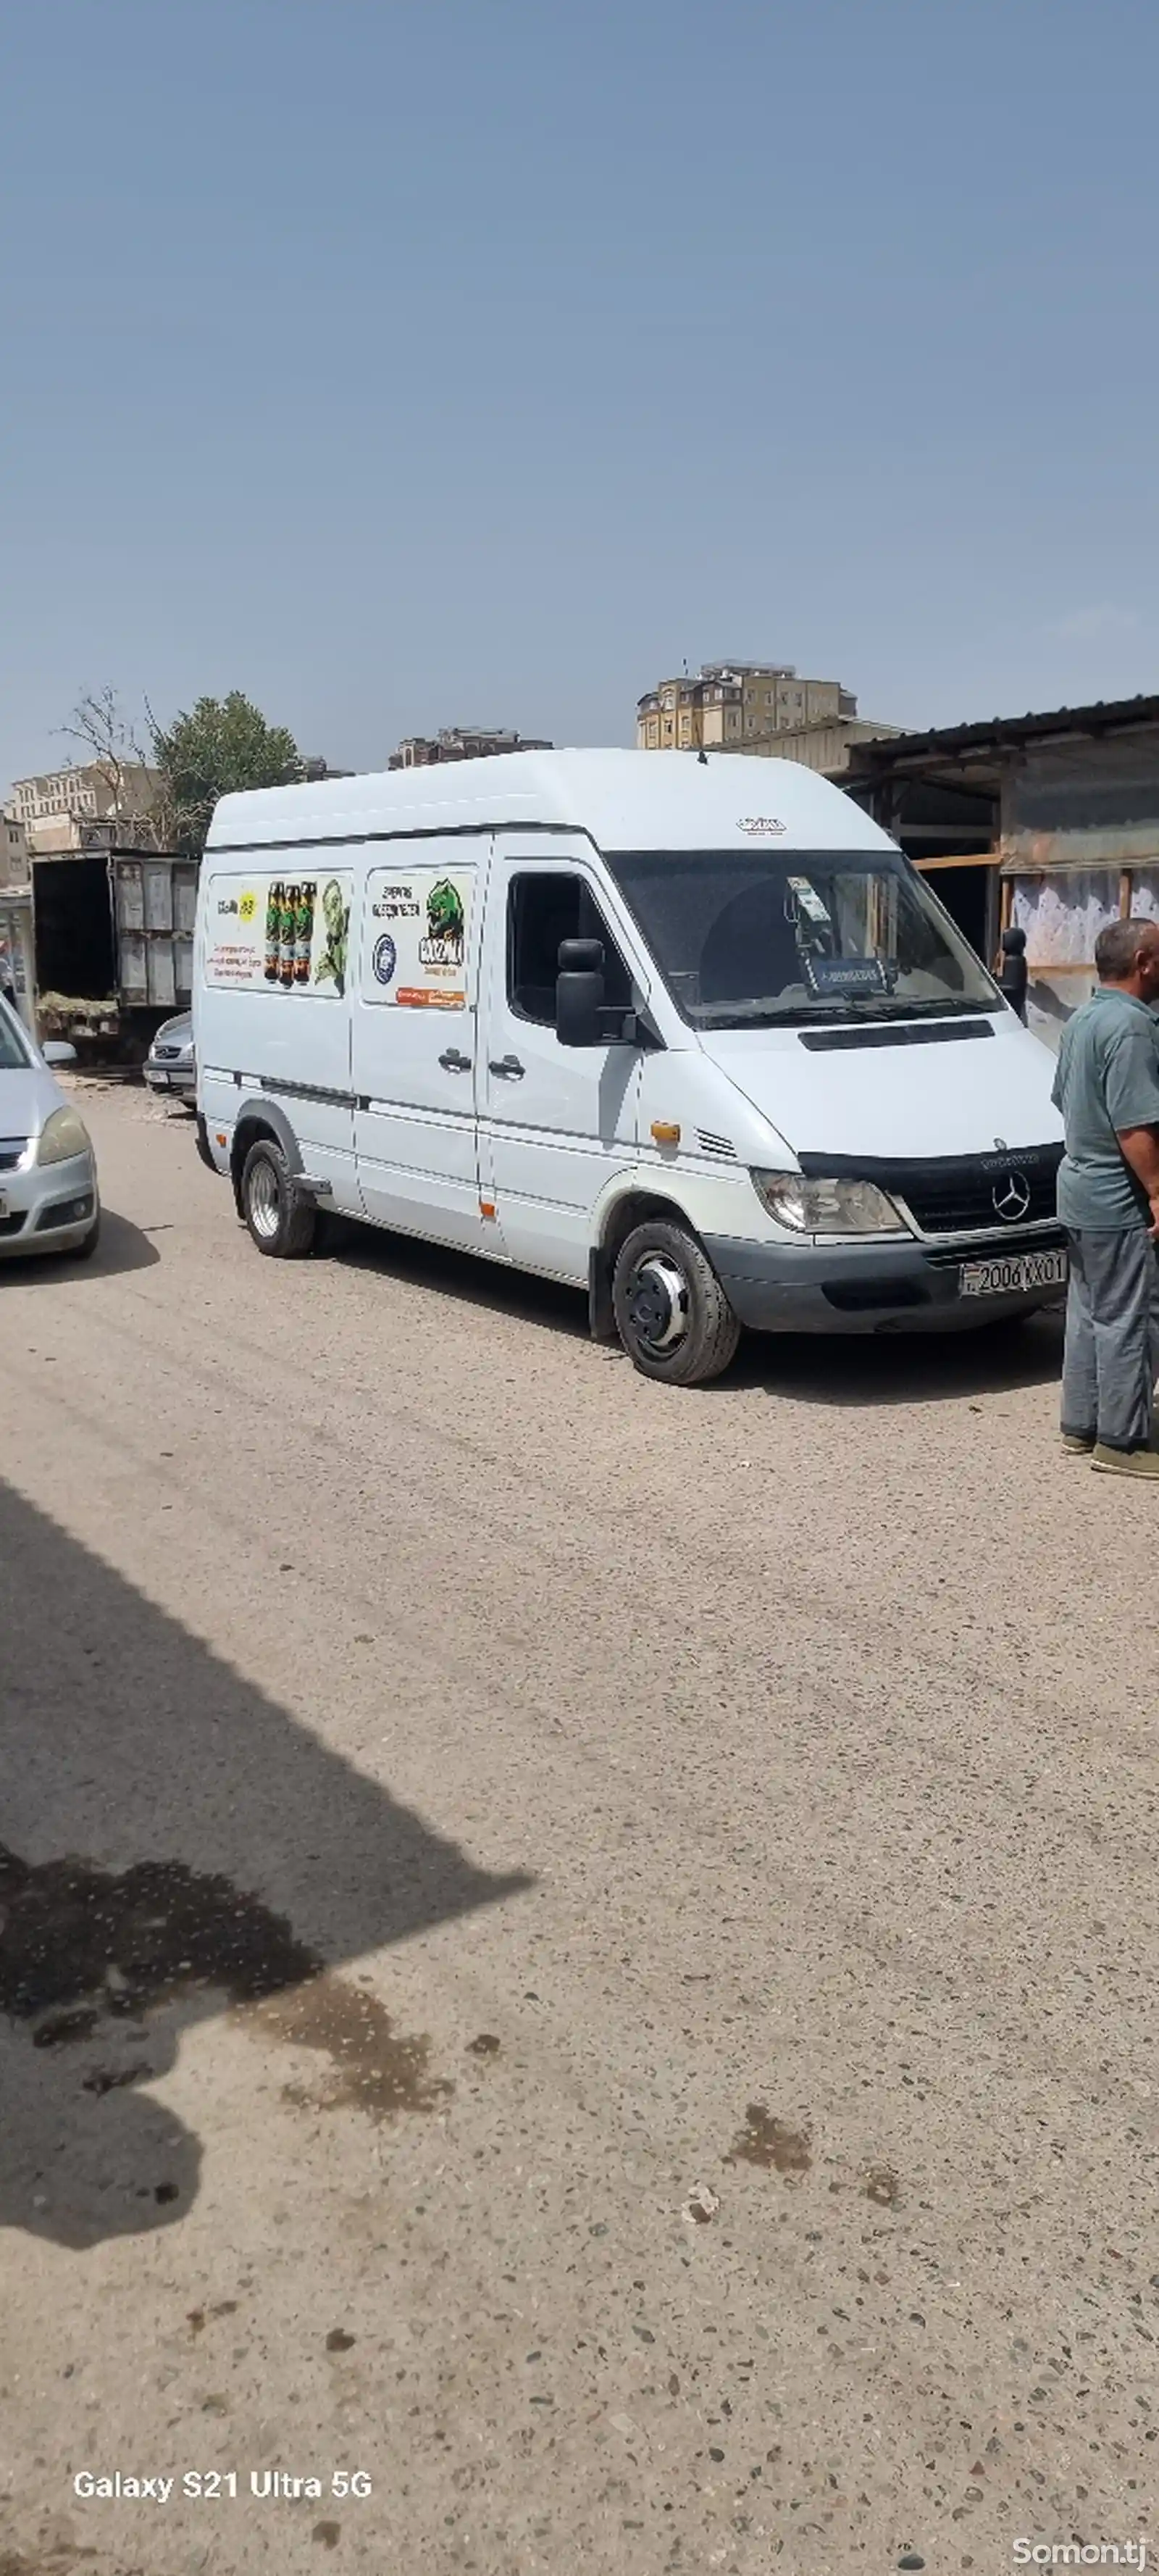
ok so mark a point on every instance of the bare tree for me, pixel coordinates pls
(136, 789)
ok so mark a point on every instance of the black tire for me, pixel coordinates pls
(84, 1250)
(672, 1315)
(280, 1219)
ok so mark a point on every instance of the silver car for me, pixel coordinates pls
(49, 1200)
(169, 1065)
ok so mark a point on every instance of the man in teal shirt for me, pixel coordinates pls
(1107, 1087)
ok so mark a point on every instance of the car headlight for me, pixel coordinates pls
(827, 1206)
(62, 1136)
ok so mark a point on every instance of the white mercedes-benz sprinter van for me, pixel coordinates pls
(690, 1033)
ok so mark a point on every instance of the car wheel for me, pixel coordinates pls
(279, 1218)
(672, 1315)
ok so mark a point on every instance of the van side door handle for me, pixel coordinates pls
(508, 1067)
(453, 1061)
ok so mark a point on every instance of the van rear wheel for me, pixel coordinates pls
(672, 1315)
(280, 1220)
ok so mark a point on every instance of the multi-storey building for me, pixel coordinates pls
(753, 706)
(460, 742)
(54, 811)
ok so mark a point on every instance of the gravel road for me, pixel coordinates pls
(583, 1951)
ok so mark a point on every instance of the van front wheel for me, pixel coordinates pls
(280, 1220)
(672, 1315)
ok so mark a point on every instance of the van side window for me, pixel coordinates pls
(542, 909)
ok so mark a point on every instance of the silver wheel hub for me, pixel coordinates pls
(264, 1200)
(658, 1302)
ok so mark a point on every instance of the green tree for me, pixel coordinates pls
(221, 745)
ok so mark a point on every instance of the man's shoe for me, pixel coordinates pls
(1125, 1462)
(1078, 1444)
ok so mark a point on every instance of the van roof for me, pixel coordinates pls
(625, 800)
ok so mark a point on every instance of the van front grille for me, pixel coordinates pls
(967, 1205)
(1013, 1187)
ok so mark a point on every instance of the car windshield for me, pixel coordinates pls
(14, 1051)
(766, 938)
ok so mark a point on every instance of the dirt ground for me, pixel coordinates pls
(579, 1955)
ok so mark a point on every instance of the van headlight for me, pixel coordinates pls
(827, 1207)
(62, 1137)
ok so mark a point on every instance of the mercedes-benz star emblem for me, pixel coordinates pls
(1011, 1197)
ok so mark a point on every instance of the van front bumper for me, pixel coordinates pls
(902, 1287)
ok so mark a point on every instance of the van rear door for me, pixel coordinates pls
(415, 1013)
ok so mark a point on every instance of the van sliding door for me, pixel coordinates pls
(415, 1013)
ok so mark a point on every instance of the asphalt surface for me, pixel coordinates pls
(584, 1951)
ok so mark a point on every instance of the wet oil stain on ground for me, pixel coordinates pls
(83, 1949)
(372, 2066)
(770, 2143)
(81, 1945)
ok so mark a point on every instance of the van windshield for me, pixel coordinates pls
(748, 939)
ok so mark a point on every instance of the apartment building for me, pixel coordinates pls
(55, 811)
(460, 742)
(756, 707)
(733, 704)
(14, 857)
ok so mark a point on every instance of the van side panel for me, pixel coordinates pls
(273, 1009)
(414, 1003)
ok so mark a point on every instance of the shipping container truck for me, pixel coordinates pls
(112, 944)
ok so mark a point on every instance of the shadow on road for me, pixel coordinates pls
(463, 1275)
(122, 1247)
(827, 1369)
(915, 1368)
(175, 1843)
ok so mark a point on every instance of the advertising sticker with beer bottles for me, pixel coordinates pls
(417, 926)
(287, 934)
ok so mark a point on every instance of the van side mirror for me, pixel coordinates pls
(1012, 981)
(579, 993)
(57, 1051)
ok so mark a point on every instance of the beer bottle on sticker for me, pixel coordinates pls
(304, 932)
(273, 930)
(289, 933)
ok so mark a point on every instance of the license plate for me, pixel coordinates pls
(1011, 1277)
(159, 1080)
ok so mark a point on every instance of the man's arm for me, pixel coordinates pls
(1131, 1080)
(1140, 1148)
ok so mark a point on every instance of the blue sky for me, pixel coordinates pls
(410, 362)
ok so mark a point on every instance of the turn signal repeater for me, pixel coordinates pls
(665, 1132)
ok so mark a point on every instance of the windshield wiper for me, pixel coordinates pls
(849, 1010)
(949, 1007)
